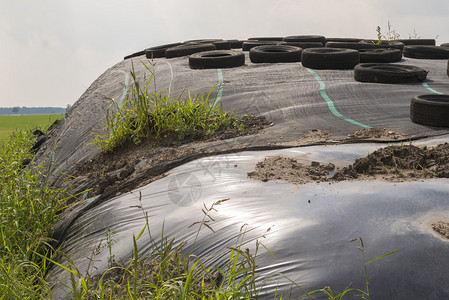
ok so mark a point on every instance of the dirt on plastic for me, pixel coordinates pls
(441, 227)
(132, 165)
(393, 163)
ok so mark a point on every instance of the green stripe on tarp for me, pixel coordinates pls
(93, 199)
(125, 85)
(329, 102)
(220, 87)
(431, 89)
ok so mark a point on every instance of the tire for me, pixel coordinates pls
(430, 110)
(188, 49)
(382, 55)
(330, 58)
(246, 46)
(266, 39)
(355, 45)
(426, 52)
(159, 51)
(236, 44)
(25, 162)
(305, 38)
(40, 140)
(222, 45)
(303, 45)
(219, 43)
(202, 41)
(386, 44)
(216, 59)
(388, 73)
(38, 132)
(275, 54)
(407, 42)
(140, 53)
(343, 40)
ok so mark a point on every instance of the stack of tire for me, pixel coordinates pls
(186, 48)
(375, 58)
(304, 41)
(369, 50)
(261, 50)
(370, 59)
(195, 46)
(338, 53)
(249, 44)
(203, 54)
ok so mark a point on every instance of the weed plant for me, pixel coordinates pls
(390, 35)
(28, 207)
(154, 114)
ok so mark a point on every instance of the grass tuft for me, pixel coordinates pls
(154, 114)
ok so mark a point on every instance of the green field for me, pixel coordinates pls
(9, 124)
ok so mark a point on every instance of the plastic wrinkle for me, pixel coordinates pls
(310, 224)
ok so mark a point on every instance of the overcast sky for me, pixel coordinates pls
(52, 50)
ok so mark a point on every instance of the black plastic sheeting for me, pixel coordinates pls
(310, 224)
(294, 98)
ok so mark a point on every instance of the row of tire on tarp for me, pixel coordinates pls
(372, 61)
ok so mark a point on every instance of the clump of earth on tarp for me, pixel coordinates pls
(289, 169)
(375, 134)
(392, 163)
(313, 137)
(318, 137)
(442, 228)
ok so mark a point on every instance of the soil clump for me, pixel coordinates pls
(442, 228)
(392, 163)
(375, 134)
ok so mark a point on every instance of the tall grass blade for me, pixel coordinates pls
(382, 256)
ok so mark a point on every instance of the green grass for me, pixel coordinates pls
(9, 124)
(28, 207)
(147, 113)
